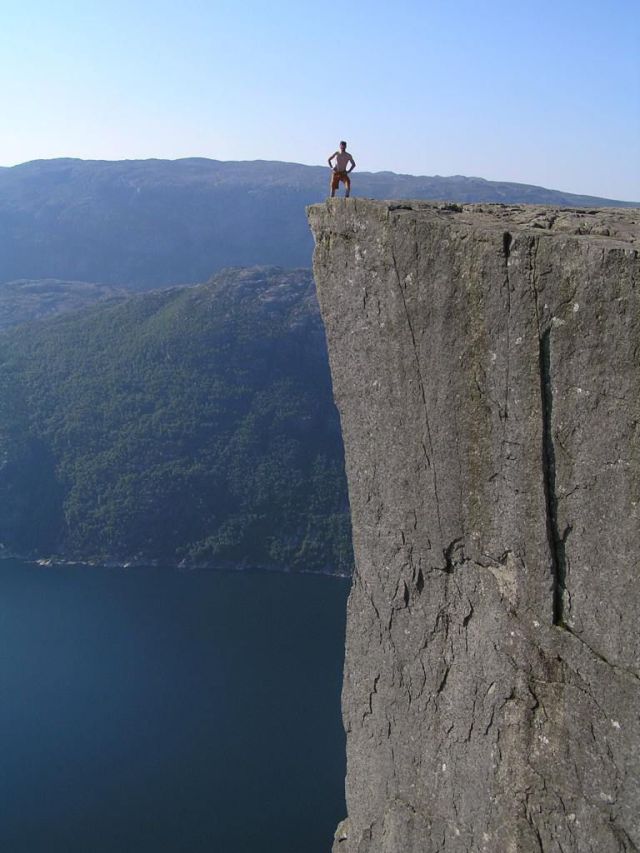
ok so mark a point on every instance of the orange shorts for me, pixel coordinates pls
(340, 176)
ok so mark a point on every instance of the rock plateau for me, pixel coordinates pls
(486, 365)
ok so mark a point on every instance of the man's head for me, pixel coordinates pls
(343, 146)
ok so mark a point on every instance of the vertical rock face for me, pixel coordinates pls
(486, 365)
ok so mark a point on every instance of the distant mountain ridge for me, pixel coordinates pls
(148, 223)
(28, 300)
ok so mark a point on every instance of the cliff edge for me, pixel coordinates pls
(486, 365)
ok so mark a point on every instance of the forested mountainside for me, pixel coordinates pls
(192, 424)
(149, 223)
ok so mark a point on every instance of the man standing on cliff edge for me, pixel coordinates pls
(340, 170)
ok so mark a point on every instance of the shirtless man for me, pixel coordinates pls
(340, 170)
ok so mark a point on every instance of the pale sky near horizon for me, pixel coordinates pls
(545, 93)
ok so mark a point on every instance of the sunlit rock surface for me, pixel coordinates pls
(486, 364)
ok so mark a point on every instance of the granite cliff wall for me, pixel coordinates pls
(486, 365)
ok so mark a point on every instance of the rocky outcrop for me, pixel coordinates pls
(486, 365)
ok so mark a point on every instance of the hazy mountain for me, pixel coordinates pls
(146, 223)
(190, 424)
(22, 301)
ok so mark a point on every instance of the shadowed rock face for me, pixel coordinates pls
(486, 364)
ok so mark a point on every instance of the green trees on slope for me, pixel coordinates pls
(192, 424)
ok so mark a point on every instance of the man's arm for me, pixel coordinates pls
(331, 158)
(353, 165)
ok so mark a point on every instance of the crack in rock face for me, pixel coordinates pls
(486, 365)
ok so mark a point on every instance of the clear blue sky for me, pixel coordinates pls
(543, 93)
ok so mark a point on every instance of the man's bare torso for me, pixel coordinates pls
(343, 158)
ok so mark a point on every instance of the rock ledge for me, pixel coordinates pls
(486, 365)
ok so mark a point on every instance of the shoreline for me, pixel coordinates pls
(46, 562)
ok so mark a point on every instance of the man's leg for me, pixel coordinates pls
(347, 186)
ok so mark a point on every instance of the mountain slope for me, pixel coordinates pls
(193, 424)
(26, 300)
(146, 223)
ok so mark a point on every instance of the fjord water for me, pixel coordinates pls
(156, 710)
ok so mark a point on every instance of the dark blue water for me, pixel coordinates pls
(154, 710)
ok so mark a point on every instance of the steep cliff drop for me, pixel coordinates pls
(486, 365)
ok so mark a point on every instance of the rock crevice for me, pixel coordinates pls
(486, 365)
